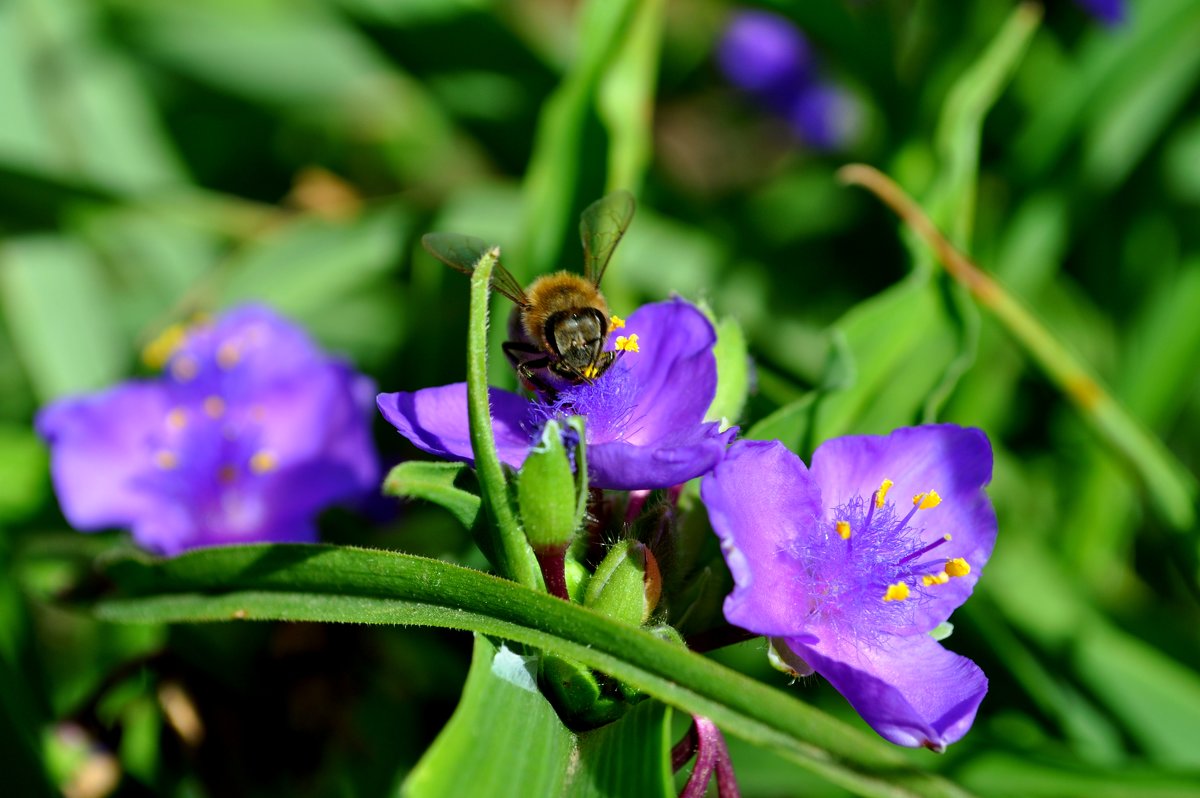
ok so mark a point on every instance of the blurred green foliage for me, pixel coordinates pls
(160, 159)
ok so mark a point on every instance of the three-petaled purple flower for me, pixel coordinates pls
(1107, 12)
(849, 565)
(768, 57)
(247, 435)
(645, 415)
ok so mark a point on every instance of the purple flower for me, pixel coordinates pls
(762, 52)
(848, 565)
(1107, 12)
(767, 56)
(645, 414)
(247, 435)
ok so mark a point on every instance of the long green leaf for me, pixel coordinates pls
(325, 583)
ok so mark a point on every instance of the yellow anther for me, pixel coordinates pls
(896, 592)
(629, 344)
(184, 367)
(940, 578)
(262, 462)
(881, 494)
(214, 406)
(958, 567)
(228, 355)
(156, 353)
(165, 460)
(177, 419)
(226, 474)
(927, 501)
(843, 529)
(615, 322)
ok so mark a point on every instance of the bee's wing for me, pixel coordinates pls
(601, 227)
(463, 252)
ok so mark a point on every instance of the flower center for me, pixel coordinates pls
(608, 404)
(869, 567)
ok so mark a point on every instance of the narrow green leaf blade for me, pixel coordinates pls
(504, 739)
(434, 482)
(327, 583)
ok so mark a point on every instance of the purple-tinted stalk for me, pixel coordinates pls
(705, 740)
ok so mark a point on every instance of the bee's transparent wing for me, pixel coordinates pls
(461, 253)
(601, 227)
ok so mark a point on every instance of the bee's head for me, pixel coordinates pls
(577, 338)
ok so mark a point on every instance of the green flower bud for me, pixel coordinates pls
(546, 492)
(627, 584)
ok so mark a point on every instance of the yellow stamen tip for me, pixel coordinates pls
(947, 537)
(616, 322)
(843, 529)
(165, 460)
(214, 406)
(629, 344)
(228, 355)
(262, 462)
(927, 501)
(177, 419)
(939, 578)
(958, 567)
(184, 368)
(896, 592)
(881, 494)
(156, 353)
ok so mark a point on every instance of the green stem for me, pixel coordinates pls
(517, 560)
(338, 584)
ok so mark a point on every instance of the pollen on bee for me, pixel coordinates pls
(263, 462)
(589, 372)
(615, 322)
(881, 494)
(629, 344)
(896, 592)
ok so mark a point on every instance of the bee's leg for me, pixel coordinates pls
(526, 358)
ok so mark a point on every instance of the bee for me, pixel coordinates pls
(561, 320)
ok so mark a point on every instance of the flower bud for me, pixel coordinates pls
(627, 584)
(546, 492)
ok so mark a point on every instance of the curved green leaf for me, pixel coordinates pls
(327, 583)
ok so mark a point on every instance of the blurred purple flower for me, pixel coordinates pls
(848, 583)
(1107, 12)
(248, 434)
(768, 57)
(645, 414)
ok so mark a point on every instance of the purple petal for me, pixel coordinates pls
(671, 460)
(954, 461)
(821, 115)
(761, 51)
(326, 403)
(673, 379)
(909, 689)
(1108, 12)
(99, 445)
(758, 498)
(435, 420)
